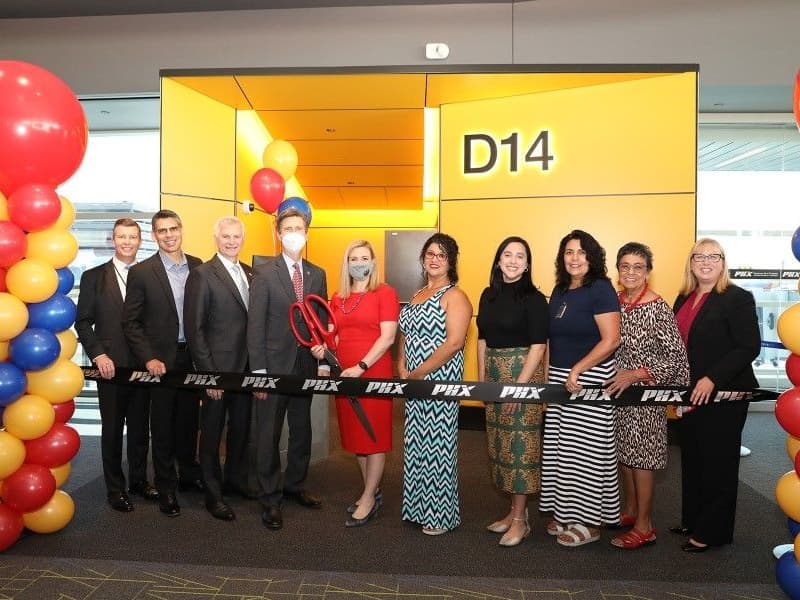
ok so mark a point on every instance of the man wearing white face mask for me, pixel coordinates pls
(272, 347)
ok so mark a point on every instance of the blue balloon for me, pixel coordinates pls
(787, 572)
(12, 383)
(794, 527)
(55, 314)
(66, 279)
(34, 349)
(300, 204)
(796, 243)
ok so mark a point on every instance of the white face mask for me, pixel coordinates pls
(293, 241)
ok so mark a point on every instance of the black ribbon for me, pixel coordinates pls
(535, 393)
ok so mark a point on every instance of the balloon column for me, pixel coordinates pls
(43, 137)
(268, 184)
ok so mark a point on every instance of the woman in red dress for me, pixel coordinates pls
(366, 312)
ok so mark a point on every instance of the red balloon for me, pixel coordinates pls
(787, 411)
(34, 207)
(64, 411)
(796, 100)
(3, 287)
(54, 448)
(43, 131)
(11, 526)
(13, 245)
(28, 488)
(267, 188)
(793, 369)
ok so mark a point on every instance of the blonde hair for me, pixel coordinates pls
(690, 281)
(345, 281)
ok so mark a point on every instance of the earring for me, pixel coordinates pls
(526, 269)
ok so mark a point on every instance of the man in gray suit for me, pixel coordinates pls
(272, 347)
(215, 317)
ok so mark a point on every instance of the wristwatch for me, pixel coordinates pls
(363, 365)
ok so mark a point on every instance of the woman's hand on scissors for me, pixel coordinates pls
(318, 351)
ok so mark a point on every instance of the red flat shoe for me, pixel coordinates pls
(626, 520)
(634, 539)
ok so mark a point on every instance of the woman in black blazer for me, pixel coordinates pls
(718, 323)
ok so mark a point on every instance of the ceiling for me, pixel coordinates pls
(33, 9)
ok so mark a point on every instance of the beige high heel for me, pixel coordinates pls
(509, 542)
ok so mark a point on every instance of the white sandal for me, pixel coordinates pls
(577, 535)
(556, 528)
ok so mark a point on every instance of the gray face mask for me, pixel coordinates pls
(360, 271)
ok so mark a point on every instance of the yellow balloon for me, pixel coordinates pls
(56, 247)
(29, 417)
(3, 208)
(13, 317)
(58, 383)
(69, 343)
(32, 280)
(12, 454)
(4, 350)
(67, 216)
(792, 446)
(281, 156)
(61, 473)
(53, 516)
(787, 492)
(789, 328)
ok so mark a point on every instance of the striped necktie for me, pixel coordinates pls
(238, 278)
(297, 281)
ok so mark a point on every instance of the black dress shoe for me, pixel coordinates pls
(378, 499)
(690, 547)
(680, 530)
(191, 485)
(220, 510)
(120, 502)
(272, 517)
(168, 504)
(303, 498)
(353, 522)
(145, 490)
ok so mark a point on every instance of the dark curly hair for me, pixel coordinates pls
(595, 254)
(496, 275)
(637, 249)
(449, 247)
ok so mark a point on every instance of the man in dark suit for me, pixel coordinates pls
(153, 325)
(273, 349)
(99, 327)
(215, 317)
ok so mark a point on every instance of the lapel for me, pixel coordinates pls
(307, 279)
(161, 275)
(111, 285)
(284, 278)
(226, 278)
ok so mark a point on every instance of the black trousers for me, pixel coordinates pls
(213, 412)
(710, 438)
(174, 421)
(121, 405)
(270, 414)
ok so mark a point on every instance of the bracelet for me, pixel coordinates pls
(363, 365)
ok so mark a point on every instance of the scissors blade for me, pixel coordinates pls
(362, 417)
(332, 360)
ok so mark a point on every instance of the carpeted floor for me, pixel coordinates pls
(316, 541)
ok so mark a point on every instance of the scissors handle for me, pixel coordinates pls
(318, 333)
(313, 338)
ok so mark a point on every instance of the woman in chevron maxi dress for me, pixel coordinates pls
(433, 327)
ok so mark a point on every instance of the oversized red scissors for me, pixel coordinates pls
(318, 335)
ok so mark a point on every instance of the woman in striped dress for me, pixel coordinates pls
(579, 460)
(433, 329)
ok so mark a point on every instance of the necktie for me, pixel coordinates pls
(238, 278)
(297, 281)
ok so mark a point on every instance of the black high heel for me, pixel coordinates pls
(694, 549)
(353, 522)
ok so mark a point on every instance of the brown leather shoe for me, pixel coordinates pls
(303, 498)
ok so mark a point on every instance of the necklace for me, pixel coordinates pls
(355, 304)
(625, 306)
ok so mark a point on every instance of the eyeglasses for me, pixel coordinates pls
(712, 258)
(637, 268)
(440, 256)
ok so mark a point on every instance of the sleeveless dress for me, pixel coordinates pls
(430, 457)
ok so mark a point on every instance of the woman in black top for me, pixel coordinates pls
(512, 337)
